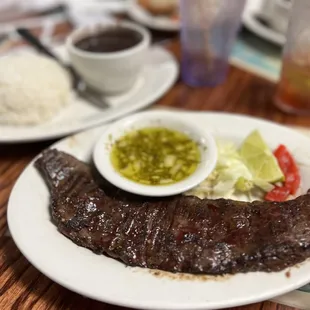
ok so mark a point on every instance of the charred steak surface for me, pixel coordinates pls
(177, 234)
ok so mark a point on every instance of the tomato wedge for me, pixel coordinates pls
(292, 181)
(291, 173)
(289, 168)
(279, 193)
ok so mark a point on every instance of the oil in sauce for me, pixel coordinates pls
(155, 156)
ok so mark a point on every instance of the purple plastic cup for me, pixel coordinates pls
(208, 31)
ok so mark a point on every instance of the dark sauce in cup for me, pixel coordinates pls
(111, 39)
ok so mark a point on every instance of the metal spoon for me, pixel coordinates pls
(82, 90)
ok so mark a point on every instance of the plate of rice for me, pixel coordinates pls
(37, 101)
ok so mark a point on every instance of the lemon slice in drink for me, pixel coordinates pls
(259, 159)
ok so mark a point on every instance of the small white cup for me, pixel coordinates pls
(206, 142)
(109, 72)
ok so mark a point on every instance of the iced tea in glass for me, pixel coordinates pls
(293, 91)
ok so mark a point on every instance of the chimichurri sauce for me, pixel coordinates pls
(155, 156)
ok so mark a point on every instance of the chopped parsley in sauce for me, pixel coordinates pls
(155, 156)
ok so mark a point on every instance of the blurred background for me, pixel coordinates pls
(258, 46)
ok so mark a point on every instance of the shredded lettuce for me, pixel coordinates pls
(231, 178)
(244, 185)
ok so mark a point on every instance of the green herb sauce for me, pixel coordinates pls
(155, 156)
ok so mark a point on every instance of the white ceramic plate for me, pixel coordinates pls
(108, 280)
(140, 15)
(252, 7)
(94, 11)
(161, 71)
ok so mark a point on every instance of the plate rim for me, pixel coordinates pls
(133, 6)
(251, 24)
(134, 304)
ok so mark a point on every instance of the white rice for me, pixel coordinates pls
(33, 89)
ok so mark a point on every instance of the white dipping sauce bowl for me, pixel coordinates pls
(206, 142)
(109, 72)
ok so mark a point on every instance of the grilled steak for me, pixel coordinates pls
(177, 234)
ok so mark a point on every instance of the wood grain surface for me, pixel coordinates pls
(22, 286)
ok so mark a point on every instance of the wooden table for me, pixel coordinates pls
(24, 287)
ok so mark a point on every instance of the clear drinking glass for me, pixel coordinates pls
(293, 91)
(208, 31)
